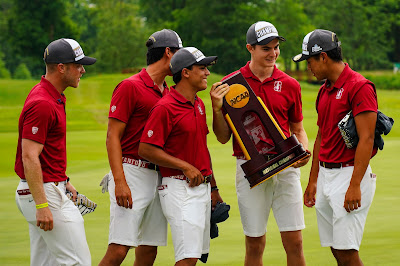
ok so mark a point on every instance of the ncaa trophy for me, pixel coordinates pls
(250, 121)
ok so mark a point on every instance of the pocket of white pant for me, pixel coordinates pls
(27, 206)
(162, 193)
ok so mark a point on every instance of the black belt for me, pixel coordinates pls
(335, 165)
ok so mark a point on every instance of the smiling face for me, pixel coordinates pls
(72, 75)
(198, 77)
(265, 55)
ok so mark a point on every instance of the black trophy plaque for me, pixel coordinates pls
(250, 121)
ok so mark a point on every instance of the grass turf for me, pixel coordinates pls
(87, 108)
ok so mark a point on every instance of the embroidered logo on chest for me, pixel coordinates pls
(113, 108)
(278, 86)
(200, 110)
(35, 130)
(150, 133)
(339, 94)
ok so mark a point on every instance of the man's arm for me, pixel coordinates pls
(160, 157)
(365, 124)
(220, 127)
(115, 131)
(298, 130)
(33, 174)
(309, 193)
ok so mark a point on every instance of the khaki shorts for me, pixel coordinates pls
(282, 193)
(145, 223)
(338, 228)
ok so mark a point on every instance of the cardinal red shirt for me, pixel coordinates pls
(180, 129)
(282, 96)
(353, 92)
(43, 120)
(131, 103)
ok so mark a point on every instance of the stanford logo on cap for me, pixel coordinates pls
(316, 48)
(35, 130)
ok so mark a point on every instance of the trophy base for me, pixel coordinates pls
(259, 169)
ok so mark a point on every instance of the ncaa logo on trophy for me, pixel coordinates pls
(254, 126)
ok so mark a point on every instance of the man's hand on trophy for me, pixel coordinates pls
(217, 94)
(303, 161)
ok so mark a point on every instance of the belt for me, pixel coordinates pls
(140, 163)
(335, 165)
(55, 182)
(207, 179)
(23, 192)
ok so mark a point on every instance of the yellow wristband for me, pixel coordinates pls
(43, 205)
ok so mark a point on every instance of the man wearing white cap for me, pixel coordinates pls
(56, 229)
(282, 193)
(175, 137)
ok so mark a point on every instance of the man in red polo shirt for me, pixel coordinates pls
(341, 184)
(281, 193)
(175, 137)
(56, 229)
(136, 218)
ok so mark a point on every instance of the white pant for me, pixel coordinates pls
(338, 228)
(66, 243)
(188, 211)
(145, 223)
(282, 193)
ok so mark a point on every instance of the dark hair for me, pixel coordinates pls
(335, 54)
(155, 54)
(177, 77)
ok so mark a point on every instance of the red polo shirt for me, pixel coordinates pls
(180, 129)
(131, 103)
(43, 120)
(353, 92)
(282, 96)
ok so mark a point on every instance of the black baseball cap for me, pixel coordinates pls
(316, 42)
(262, 33)
(66, 51)
(165, 38)
(189, 56)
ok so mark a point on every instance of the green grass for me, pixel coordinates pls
(87, 109)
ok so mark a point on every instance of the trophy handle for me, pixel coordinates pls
(237, 136)
(271, 117)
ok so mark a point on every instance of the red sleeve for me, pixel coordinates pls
(364, 99)
(38, 119)
(296, 111)
(158, 127)
(123, 101)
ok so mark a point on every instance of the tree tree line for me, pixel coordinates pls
(115, 31)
